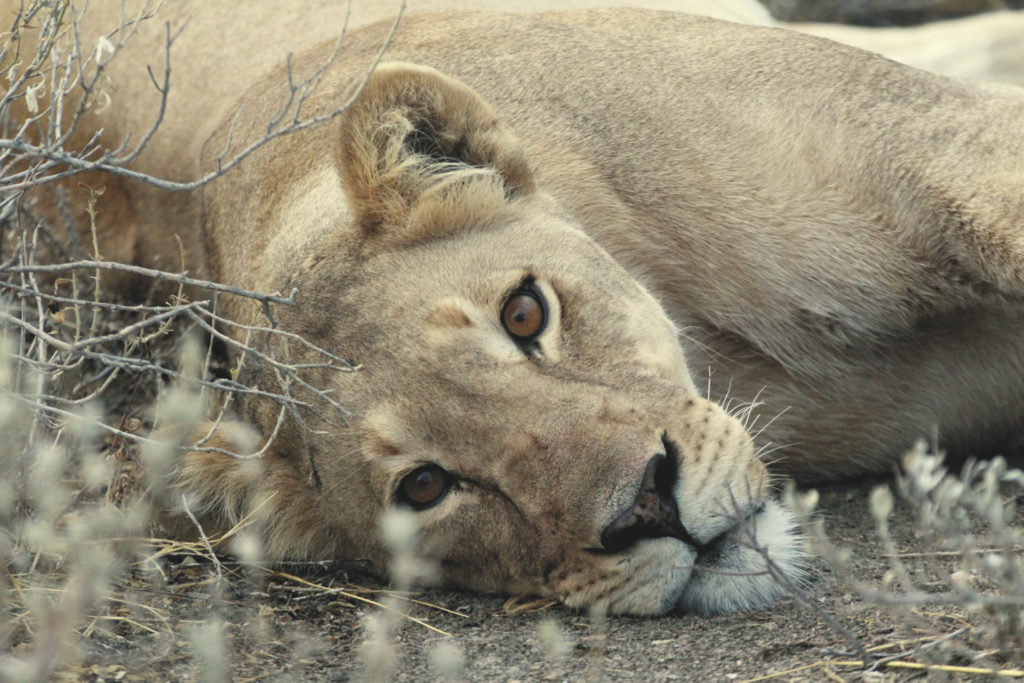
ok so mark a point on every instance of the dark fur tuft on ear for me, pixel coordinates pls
(422, 156)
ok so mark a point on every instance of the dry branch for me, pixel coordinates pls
(49, 159)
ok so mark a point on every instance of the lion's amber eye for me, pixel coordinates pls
(424, 486)
(524, 314)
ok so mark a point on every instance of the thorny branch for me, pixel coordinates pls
(49, 159)
(969, 513)
(46, 345)
(74, 347)
(158, 275)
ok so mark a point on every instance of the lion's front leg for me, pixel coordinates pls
(197, 487)
(214, 480)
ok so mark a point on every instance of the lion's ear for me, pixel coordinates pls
(421, 153)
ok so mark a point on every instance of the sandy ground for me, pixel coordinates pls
(291, 628)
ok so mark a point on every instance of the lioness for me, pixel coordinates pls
(554, 245)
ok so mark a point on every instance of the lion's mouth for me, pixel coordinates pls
(745, 524)
(736, 570)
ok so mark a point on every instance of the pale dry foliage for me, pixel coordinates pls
(971, 574)
(85, 375)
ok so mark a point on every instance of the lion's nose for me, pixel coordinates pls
(654, 513)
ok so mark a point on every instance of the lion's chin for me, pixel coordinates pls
(734, 575)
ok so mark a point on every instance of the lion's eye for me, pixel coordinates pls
(424, 486)
(524, 314)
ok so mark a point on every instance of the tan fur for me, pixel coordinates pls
(824, 240)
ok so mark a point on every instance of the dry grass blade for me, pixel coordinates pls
(329, 590)
(940, 668)
(519, 604)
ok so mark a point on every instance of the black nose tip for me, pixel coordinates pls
(654, 513)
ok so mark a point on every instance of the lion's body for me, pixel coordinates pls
(836, 236)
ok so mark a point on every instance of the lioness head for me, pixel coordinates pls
(518, 390)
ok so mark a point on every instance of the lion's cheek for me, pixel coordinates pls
(523, 555)
(476, 535)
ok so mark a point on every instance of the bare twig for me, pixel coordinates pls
(158, 275)
(49, 159)
(202, 535)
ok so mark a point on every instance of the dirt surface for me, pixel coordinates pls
(306, 623)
